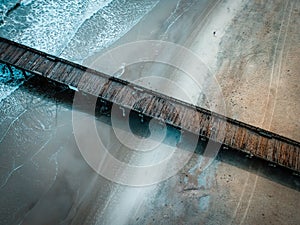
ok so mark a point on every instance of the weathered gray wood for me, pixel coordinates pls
(187, 117)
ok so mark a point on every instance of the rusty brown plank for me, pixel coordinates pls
(237, 138)
(149, 107)
(159, 106)
(283, 154)
(221, 131)
(240, 143)
(270, 149)
(296, 158)
(276, 152)
(172, 114)
(262, 147)
(179, 114)
(230, 131)
(290, 156)
(252, 143)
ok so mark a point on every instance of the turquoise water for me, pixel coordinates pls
(9, 82)
(72, 29)
(69, 29)
(42, 174)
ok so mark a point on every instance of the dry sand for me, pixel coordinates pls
(258, 67)
(253, 56)
(257, 71)
(255, 63)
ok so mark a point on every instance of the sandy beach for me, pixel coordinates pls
(233, 55)
(243, 54)
(238, 55)
(184, 25)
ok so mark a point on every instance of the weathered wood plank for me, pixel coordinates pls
(17, 54)
(232, 133)
(3, 48)
(43, 65)
(9, 51)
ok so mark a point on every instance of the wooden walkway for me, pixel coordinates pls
(231, 133)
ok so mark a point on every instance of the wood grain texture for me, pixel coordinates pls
(231, 133)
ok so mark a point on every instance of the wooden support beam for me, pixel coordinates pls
(188, 118)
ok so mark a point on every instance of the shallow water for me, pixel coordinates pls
(44, 178)
(71, 29)
(9, 83)
(41, 163)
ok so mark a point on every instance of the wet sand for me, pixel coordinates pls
(42, 166)
(45, 180)
(258, 67)
(215, 196)
(255, 63)
(170, 21)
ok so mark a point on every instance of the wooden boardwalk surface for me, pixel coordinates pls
(231, 133)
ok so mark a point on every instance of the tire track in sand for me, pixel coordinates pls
(275, 75)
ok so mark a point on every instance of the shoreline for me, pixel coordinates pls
(184, 25)
(246, 59)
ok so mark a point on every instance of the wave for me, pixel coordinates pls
(48, 25)
(105, 27)
(71, 29)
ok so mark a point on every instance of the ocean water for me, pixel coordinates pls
(69, 29)
(39, 150)
(105, 27)
(48, 25)
(10, 82)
